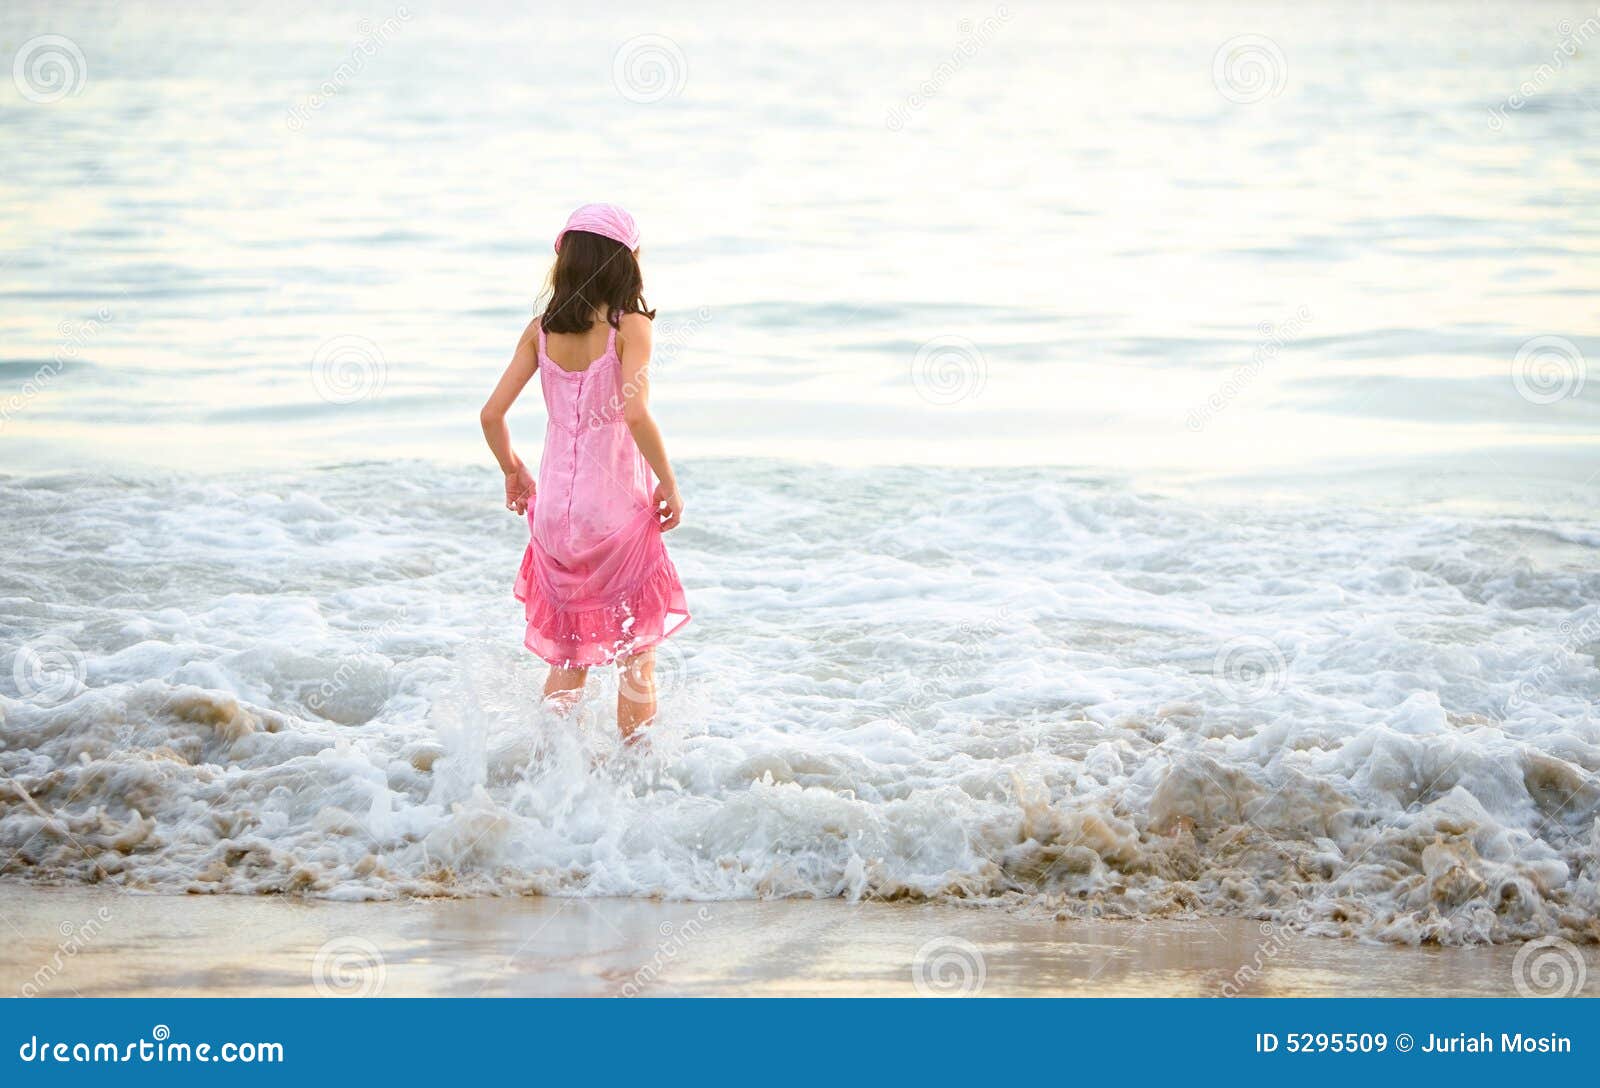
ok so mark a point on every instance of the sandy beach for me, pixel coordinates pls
(102, 943)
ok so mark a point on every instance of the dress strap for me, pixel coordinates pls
(611, 338)
(542, 355)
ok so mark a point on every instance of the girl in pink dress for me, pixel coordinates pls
(596, 583)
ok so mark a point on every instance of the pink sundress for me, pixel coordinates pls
(596, 583)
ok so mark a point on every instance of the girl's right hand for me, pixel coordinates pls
(669, 507)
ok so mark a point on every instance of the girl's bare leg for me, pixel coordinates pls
(636, 693)
(563, 688)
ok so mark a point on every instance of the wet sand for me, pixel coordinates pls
(101, 942)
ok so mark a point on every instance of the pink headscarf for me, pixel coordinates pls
(606, 220)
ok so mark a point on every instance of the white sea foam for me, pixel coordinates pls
(1009, 686)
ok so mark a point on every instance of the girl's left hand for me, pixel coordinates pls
(519, 489)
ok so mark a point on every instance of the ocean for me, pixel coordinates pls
(1140, 461)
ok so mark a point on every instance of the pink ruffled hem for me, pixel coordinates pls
(642, 617)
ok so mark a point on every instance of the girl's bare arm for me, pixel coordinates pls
(524, 362)
(634, 346)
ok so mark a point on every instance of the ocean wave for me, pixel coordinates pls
(1011, 688)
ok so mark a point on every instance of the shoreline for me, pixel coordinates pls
(102, 942)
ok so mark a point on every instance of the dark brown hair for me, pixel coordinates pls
(592, 271)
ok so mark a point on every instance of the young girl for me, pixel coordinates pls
(595, 581)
